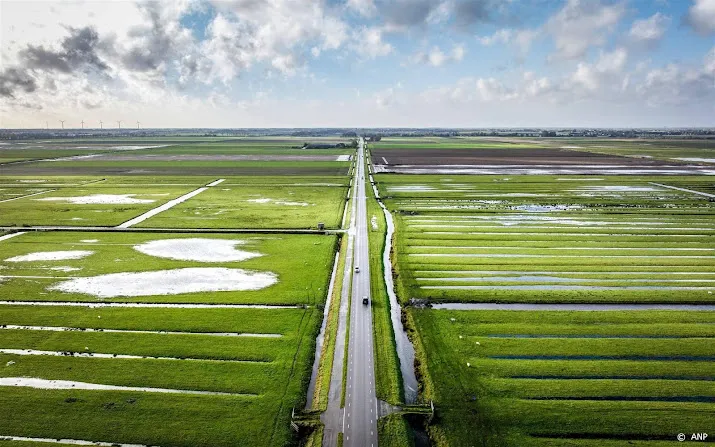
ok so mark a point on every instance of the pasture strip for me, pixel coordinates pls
(573, 307)
(130, 331)
(114, 356)
(512, 255)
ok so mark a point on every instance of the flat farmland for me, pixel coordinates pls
(244, 206)
(486, 157)
(112, 267)
(181, 157)
(544, 377)
(187, 367)
(556, 239)
(507, 378)
(92, 204)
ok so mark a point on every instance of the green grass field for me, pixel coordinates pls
(264, 373)
(550, 238)
(301, 263)
(501, 378)
(244, 206)
(505, 377)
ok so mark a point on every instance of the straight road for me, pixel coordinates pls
(360, 417)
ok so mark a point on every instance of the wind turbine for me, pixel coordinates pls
(119, 123)
(63, 123)
(47, 125)
(100, 124)
(138, 124)
(82, 124)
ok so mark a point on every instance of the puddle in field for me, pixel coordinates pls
(65, 268)
(45, 384)
(168, 282)
(544, 208)
(701, 160)
(99, 199)
(413, 188)
(51, 256)
(68, 441)
(197, 249)
(618, 188)
(278, 202)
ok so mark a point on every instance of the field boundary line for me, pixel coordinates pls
(169, 230)
(168, 205)
(151, 305)
(11, 235)
(683, 189)
(27, 195)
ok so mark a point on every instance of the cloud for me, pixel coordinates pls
(12, 79)
(581, 24)
(675, 85)
(701, 17)
(248, 32)
(437, 57)
(77, 51)
(368, 43)
(520, 39)
(648, 32)
(470, 12)
(405, 14)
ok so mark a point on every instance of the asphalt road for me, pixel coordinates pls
(361, 405)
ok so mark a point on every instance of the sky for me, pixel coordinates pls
(357, 63)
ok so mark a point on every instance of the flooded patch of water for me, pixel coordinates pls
(99, 199)
(51, 256)
(45, 384)
(168, 282)
(197, 249)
